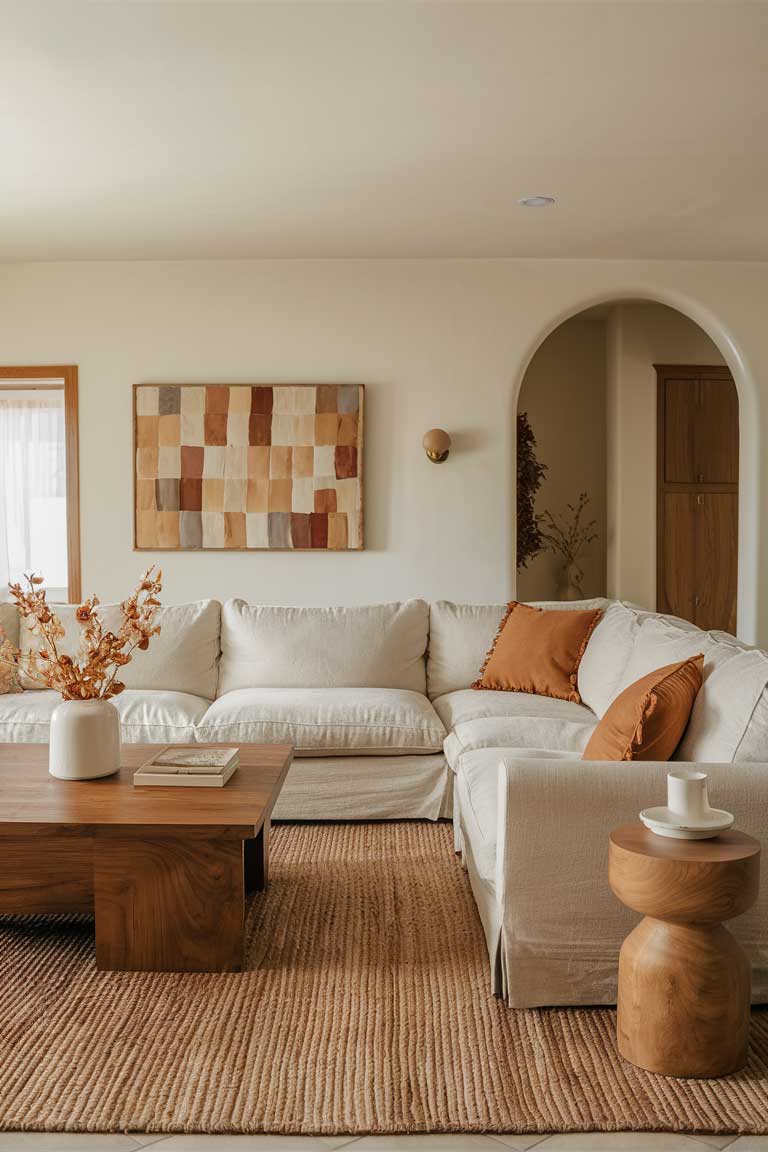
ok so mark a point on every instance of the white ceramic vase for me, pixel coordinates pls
(84, 740)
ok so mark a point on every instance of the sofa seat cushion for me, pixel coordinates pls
(457, 707)
(477, 793)
(512, 719)
(516, 732)
(326, 721)
(145, 717)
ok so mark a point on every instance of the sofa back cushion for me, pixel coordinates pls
(376, 646)
(181, 658)
(606, 657)
(460, 636)
(753, 746)
(9, 630)
(730, 715)
(9, 623)
(734, 681)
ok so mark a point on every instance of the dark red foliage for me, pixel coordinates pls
(530, 474)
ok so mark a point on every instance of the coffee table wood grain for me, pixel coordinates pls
(164, 870)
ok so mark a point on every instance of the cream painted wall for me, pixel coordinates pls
(437, 342)
(564, 395)
(639, 336)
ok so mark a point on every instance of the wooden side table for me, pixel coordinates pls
(684, 982)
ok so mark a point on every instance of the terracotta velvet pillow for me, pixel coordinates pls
(538, 651)
(647, 720)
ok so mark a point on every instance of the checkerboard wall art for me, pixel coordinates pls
(245, 466)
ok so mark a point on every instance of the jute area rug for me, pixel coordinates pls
(365, 1009)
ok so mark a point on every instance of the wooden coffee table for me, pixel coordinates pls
(165, 870)
(684, 982)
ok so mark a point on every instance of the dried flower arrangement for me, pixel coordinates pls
(567, 535)
(91, 675)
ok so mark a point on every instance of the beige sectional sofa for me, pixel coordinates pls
(346, 686)
(378, 704)
(532, 819)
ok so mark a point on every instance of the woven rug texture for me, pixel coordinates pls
(365, 1009)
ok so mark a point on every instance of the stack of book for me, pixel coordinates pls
(189, 767)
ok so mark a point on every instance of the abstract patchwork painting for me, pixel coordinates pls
(248, 466)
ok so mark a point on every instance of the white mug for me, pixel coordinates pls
(687, 794)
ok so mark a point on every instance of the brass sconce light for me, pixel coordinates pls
(437, 445)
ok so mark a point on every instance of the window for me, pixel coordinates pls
(39, 520)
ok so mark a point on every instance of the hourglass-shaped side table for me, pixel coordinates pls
(684, 982)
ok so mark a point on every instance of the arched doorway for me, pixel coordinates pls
(635, 415)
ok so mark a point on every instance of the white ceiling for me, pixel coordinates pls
(154, 129)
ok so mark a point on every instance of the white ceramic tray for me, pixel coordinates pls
(666, 823)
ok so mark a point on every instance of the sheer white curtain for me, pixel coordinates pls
(32, 487)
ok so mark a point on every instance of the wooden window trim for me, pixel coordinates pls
(67, 373)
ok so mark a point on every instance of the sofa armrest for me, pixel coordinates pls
(562, 925)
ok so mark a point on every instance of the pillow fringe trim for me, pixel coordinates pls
(647, 708)
(574, 676)
(507, 613)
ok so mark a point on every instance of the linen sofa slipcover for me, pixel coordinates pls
(326, 721)
(378, 646)
(559, 927)
(182, 657)
(460, 636)
(369, 694)
(511, 720)
(533, 822)
(346, 686)
(146, 717)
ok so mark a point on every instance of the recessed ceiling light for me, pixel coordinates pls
(536, 201)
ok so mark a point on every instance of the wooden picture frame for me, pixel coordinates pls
(248, 467)
(46, 377)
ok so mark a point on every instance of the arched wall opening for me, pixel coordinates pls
(606, 427)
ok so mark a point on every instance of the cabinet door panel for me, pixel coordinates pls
(677, 592)
(680, 404)
(716, 440)
(716, 559)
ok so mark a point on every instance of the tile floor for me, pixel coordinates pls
(574, 1142)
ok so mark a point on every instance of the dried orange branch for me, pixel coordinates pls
(92, 673)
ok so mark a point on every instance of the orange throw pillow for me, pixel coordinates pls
(647, 720)
(538, 651)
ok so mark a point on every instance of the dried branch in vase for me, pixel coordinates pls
(92, 673)
(565, 534)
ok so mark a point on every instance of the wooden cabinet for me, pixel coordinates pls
(698, 471)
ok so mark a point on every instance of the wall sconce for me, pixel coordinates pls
(437, 445)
